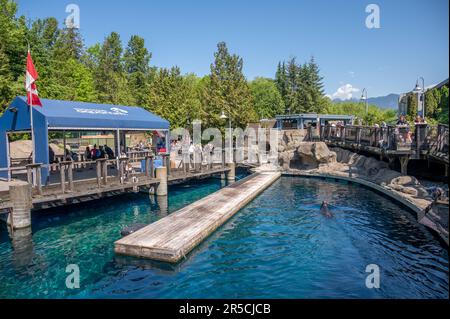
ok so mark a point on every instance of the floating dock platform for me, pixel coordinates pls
(171, 238)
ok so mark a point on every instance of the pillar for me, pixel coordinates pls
(20, 196)
(161, 175)
(163, 203)
(23, 247)
(231, 175)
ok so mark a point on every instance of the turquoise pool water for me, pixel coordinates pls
(278, 246)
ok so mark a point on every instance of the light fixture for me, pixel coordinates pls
(417, 89)
(223, 116)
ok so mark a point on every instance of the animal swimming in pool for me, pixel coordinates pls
(325, 211)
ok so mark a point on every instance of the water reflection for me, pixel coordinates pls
(163, 204)
(23, 246)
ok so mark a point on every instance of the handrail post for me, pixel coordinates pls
(99, 173)
(147, 165)
(29, 175)
(105, 171)
(223, 158)
(38, 179)
(70, 175)
(62, 175)
(358, 135)
(152, 168)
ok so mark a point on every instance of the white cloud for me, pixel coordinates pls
(345, 92)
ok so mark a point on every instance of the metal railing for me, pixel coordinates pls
(420, 138)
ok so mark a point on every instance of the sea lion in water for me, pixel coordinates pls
(131, 229)
(325, 210)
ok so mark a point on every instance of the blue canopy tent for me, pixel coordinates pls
(71, 116)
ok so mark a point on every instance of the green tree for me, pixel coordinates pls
(68, 45)
(227, 91)
(136, 63)
(375, 114)
(411, 111)
(6, 89)
(267, 99)
(110, 80)
(300, 86)
(442, 116)
(174, 97)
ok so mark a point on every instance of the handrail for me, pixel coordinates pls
(419, 137)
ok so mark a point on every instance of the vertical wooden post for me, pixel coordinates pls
(105, 171)
(62, 174)
(29, 176)
(38, 179)
(358, 135)
(152, 169)
(70, 175)
(147, 166)
(99, 173)
(223, 158)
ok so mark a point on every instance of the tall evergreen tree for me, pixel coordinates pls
(136, 63)
(110, 80)
(68, 45)
(300, 86)
(227, 91)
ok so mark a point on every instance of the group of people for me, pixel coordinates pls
(95, 153)
(190, 152)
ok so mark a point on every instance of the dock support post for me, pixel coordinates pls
(404, 165)
(231, 175)
(163, 204)
(20, 195)
(161, 175)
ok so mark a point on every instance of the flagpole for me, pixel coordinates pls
(30, 92)
(32, 127)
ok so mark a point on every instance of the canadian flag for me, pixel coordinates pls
(30, 85)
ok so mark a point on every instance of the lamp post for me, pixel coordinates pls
(364, 98)
(420, 91)
(224, 117)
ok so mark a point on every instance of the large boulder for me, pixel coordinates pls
(306, 155)
(408, 185)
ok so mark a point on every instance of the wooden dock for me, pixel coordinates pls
(95, 187)
(174, 236)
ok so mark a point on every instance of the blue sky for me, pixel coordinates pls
(412, 41)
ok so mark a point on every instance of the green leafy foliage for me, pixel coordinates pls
(108, 72)
(267, 99)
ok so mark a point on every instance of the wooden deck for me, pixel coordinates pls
(90, 189)
(174, 236)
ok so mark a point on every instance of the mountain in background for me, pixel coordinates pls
(389, 101)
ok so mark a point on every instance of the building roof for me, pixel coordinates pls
(315, 116)
(60, 114)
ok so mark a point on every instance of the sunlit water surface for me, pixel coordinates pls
(278, 246)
